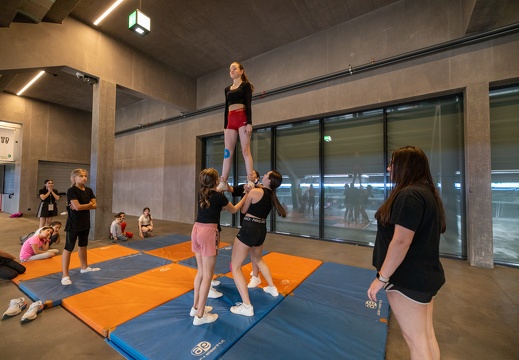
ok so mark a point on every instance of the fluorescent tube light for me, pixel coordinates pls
(30, 82)
(107, 12)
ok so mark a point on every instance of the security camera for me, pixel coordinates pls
(80, 75)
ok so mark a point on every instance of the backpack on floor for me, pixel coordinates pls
(23, 238)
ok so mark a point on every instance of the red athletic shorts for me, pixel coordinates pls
(236, 119)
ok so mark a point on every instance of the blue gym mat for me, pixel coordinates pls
(167, 332)
(329, 317)
(303, 329)
(335, 285)
(155, 242)
(49, 287)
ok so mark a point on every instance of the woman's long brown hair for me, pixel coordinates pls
(208, 178)
(275, 180)
(409, 165)
(243, 76)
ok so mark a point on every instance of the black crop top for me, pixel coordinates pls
(262, 208)
(240, 95)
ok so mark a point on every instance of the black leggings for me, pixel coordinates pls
(9, 268)
(80, 236)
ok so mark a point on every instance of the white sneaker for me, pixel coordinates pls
(254, 281)
(215, 282)
(89, 269)
(240, 309)
(66, 281)
(213, 294)
(15, 307)
(251, 184)
(207, 309)
(272, 290)
(206, 319)
(31, 314)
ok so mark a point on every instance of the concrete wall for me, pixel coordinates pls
(49, 133)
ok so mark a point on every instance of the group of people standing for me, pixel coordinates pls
(306, 200)
(409, 225)
(355, 202)
(255, 205)
(406, 252)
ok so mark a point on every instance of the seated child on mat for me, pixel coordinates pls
(115, 230)
(37, 246)
(145, 223)
(55, 238)
(123, 225)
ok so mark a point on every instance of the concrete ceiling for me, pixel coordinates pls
(195, 37)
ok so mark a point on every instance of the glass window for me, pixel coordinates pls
(504, 135)
(353, 175)
(334, 169)
(261, 144)
(297, 159)
(436, 127)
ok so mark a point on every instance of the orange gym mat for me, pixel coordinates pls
(287, 271)
(38, 268)
(177, 252)
(107, 306)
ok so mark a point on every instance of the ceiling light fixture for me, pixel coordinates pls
(107, 12)
(30, 82)
(139, 22)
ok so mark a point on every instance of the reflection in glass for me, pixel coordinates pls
(504, 135)
(297, 159)
(436, 127)
(353, 175)
(334, 194)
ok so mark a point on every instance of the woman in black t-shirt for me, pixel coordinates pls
(407, 250)
(80, 200)
(48, 207)
(205, 239)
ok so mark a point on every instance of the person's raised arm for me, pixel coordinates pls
(235, 208)
(37, 250)
(46, 245)
(54, 193)
(44, 196)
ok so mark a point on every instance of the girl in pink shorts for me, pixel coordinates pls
(205, 238)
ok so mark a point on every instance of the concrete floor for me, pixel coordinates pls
(476, 312)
